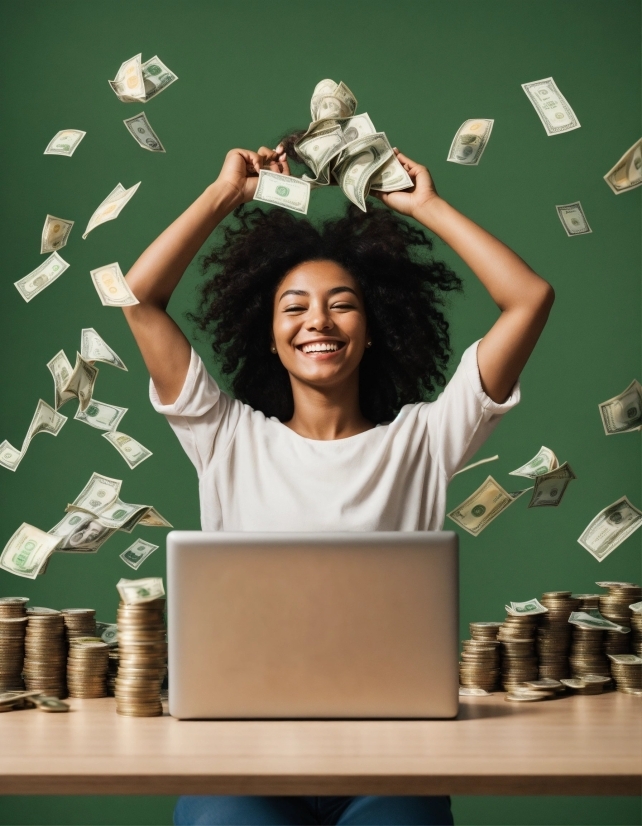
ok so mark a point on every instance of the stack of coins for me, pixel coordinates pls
(79, 622)
(587, 652)
(45, 652)
(587, 602)
(87, 667)
(518, 658)
(112, 670)
(636, 633)
(614, 605)
(13, 624)
(479, 666)
(484, 631)
(589, 684)
(627, 672)
(142, 658)
(554, 634)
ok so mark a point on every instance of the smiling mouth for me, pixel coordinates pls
(321, 348)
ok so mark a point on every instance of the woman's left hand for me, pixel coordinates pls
(409, 201)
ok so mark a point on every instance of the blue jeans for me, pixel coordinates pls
(223, 810)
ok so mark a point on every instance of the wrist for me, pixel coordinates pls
(430, 211)
(223, 198)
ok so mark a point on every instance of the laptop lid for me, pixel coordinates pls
(317, 625)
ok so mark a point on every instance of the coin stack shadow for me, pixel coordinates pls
(614, 606)
(87, 663)
(627, 675)
(13, 625)
(587, 652)
(518, 657)
(554, 634)
(45, 653)
(79, 622)
(142, 664)
(479, 666)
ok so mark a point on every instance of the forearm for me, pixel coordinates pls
(512, 284)
(156, 273)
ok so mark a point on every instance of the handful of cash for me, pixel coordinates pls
(339, 145)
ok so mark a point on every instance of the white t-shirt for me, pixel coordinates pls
(256, 474)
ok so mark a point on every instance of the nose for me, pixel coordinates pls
(319, 318)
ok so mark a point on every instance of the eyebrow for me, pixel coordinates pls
(333, 291)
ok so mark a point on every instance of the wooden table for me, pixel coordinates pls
(573, 746)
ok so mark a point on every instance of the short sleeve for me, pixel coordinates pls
(203, 417)
(464, 416)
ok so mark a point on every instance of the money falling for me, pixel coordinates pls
(470, 141)
(138, 82)
(65, 142)
(140, 129)
(623, 413)
(552, 107)
(573, 219)
(627, 172)
(111, 207)
(111, 287)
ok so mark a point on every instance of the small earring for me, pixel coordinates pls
(369, 343)
(272, 349)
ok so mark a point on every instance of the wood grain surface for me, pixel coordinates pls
(571, 746)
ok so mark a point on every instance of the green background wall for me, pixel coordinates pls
(246, 71)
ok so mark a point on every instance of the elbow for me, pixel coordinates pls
(545, 299)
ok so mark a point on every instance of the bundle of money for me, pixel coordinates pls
(345, 146)
(626, 670)
(479, 666)
(627, 172)
(142, 649)
(588, 684)
(608, 530)
(87, 667)
(554, 634)
(623, 413)
(45, 653)
(79, 622)
(518, 658)
(138, 82)
(587, 652)
(636, 628)
(13, 625)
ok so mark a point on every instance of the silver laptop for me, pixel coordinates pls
(312, 625)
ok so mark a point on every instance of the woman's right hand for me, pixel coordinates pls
(240, 171)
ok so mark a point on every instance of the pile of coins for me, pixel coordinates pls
(587, 652)
(627, 672)
(479, 666)
(587, 602)
(13, 624)
(588, 684)
(87, 667)
(554, 634)
(614, 605)
(518, 658)
(636, 633)
(142, 658)
(79, 622)
(112, 670)
(45, 652)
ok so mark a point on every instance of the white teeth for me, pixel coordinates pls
(321, 347)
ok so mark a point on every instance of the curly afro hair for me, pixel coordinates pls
(403, 289)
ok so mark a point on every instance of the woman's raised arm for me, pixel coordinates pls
(523, 297)
(156, 273)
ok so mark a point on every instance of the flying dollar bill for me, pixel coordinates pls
(573, 219)
(483, 506)
(79, 385)
(44, 420)
(10, 456)
(283, 190)
(550, 487)
(40, 278)
(108, 632)
(111, 287)
(80, 532)
(65, 142)
(93, 348)
(138, 82)
(627, 172)
(60, 368)
(132, 451)
(101, 415)
(623, 413)
(470, 141)
(134, 591)
(543, 462)
(552, 107)
(153, 519)
(27, 552)
(531, 606)
(55, 234)
(140, 129)
(595, 620)
(606, 531)
(111, 207)
(99, 492)
(136, 554)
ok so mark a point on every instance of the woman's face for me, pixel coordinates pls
(319, 324)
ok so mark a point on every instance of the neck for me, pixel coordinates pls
(327, 413)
